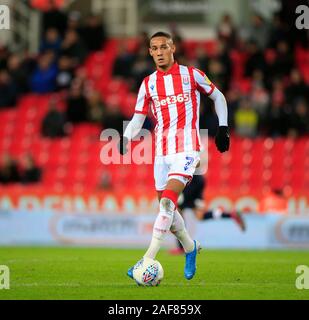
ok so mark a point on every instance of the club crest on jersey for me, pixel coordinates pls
(185, 80)
(152, 87)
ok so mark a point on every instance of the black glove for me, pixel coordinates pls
(122, 145)
(223, 139)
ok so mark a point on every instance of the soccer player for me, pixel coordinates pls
(192, 198)
(173, 94)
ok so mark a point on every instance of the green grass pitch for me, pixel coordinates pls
(99, 273)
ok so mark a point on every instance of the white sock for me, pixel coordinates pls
(153, 248)
(161, 226)
(181, 233)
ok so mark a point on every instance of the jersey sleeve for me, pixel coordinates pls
(143, 100)
(203, 84)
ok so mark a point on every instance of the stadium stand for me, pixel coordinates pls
(72, 162)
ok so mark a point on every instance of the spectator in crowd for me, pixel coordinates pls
(278, 31)
(54, 18)
(226, 31)
(53, 124)
(141, 67)
(123, 63)
(74, 22)
(4, 54)
(73, 47)
(276, 119)
(255, 61)
(223, 57)
(52, 41)
(246, 119)
(76, 105)
(299, 119)
(113, 117)
(259, 95)
(283, 63)
(18, 71)
(218, 67)
(178, 41)
(217, 74)
(65, 73)
(233, 96)
(95, 107)
(278, 91)
(9, 170)
(277, 115)
(93, 33)
(202, 59)
(81, 79)
(43, 79)
(30, 173)
(142, 40)
(30, 63)
(297, 88)
(259, 31)
(8, 90)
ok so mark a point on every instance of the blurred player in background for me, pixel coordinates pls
(173, 93)
(192, 198)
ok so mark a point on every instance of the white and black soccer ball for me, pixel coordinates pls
(148, 272)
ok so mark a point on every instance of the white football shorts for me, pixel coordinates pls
(180, 166)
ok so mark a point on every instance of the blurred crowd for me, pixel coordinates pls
(66, 41)
(24, 171)
(275, 102)
(273, 99)
(61, 51)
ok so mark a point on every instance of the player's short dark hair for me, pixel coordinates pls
(162, 34)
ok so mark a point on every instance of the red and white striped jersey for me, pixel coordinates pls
(174, 98)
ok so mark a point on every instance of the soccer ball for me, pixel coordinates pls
(148, 272)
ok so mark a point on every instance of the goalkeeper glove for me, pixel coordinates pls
(122, 145)
(222, 139)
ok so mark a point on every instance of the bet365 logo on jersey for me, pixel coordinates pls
(172, 100)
